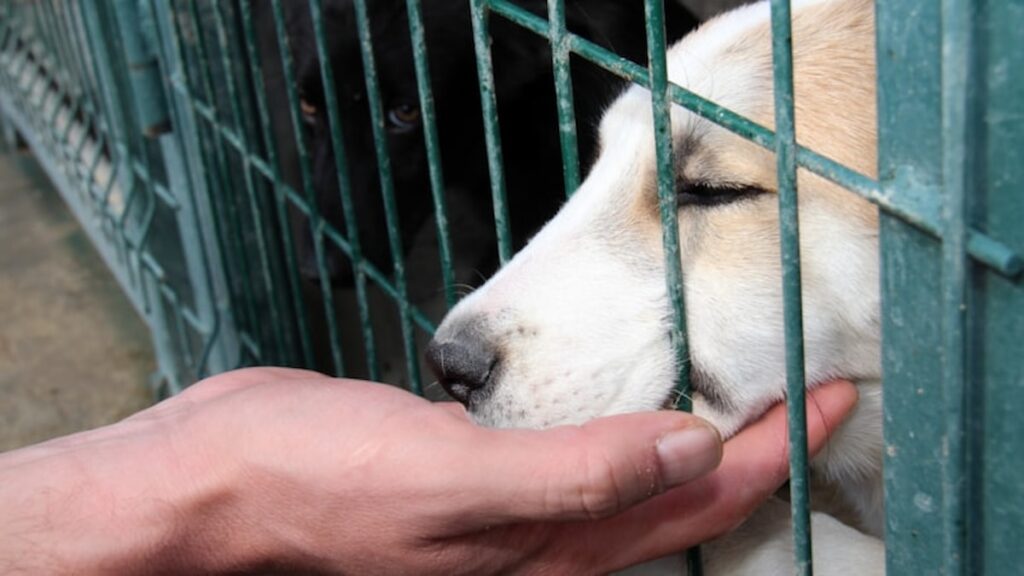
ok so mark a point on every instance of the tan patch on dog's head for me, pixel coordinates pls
(835, 113)
(834, 84)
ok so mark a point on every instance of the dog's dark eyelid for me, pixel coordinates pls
(690, 193)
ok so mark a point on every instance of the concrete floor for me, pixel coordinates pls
(73, 353)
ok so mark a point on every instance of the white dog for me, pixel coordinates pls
(576, 325)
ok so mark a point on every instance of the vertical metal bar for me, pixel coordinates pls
(222, 184)
(106, 54)
(42, 34)
(956, 177)
(48, 67)
(196, 36)
(66, 22)
(204, 139)
(141, 73)
(27, 23)
(785, 151)
(43, 64)
(138, 168)
(479, 13)
(122, 106)
(558, 34)
(658, 73)
(316, 222)
(111, 116)
(994, 434)
(61, 71)
(78, 93)
(227, 63)
(73, 72)
(89, 74)
(295, 284)
(212, 319)
(79, 69)
(430, 138)
(62, 56)
(163, 343)
(267, 132)
(174, 303)
(344, 185)
(654, 13)
(388, 193)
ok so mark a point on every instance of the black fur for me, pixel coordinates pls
(525, 94)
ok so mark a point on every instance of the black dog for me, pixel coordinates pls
(526, 110)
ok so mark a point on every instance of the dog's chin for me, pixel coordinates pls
(498, 411)
(735, 418)
(495, 411)
(479, 416)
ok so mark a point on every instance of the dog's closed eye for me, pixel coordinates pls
(705, 194)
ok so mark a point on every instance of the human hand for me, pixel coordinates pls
(286, 469)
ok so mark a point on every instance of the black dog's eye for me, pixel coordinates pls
(309, 111)
(705, 194)
(403, 118)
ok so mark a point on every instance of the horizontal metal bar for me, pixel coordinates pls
(247, 342)
(380, 279)
(994, 254)
(159, 189)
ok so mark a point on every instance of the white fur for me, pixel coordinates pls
(581, 315)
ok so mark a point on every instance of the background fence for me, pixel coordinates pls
(177, 133)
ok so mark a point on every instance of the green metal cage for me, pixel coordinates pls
(158, 123)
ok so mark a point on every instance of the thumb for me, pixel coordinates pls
(754, 465)
(597, 469)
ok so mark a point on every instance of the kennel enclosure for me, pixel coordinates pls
(159, 122)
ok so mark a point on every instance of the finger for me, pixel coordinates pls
(590, 471)
(754, 466)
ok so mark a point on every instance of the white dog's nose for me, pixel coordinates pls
(463, 366)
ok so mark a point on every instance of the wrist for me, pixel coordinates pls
(117, 500)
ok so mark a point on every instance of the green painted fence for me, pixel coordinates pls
(174, 131)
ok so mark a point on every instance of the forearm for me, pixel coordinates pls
(108, 502)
